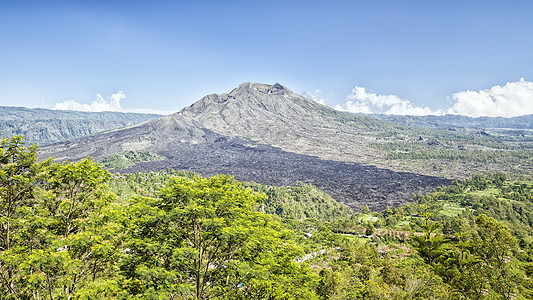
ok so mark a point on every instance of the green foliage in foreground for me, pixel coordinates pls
(202, 238)
(127, 159)
(64, 235)
(58, 238)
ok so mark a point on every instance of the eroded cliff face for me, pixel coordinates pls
(262, 133)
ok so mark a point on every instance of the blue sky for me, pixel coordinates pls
(166, 55)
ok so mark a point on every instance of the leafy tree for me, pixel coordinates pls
(494, 246)
(369, 228)
(74, 191)
(58, 232)
(429, 246)
(365, 209)
(82, 229)
(202, 238)
(462, 269)
(495, 239)
(19, 174)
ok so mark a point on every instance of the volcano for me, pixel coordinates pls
(266, 134)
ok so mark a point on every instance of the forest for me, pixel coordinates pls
(73, 230)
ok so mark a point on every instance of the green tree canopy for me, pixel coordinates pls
(58, 227)
(203, 238)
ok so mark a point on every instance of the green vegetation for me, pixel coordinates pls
(60, 230)
(75, 231)
(127, 159)
(521, 123)
(424, 151)
(455, 153)
(64, 235)
(300, 202)
(202, 238)
(303, 201)
(470, 240)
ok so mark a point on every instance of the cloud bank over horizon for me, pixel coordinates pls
(100, 104)
(112, 103)
(511, 100)
(366, 102)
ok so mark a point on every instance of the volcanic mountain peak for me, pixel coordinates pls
(274, 115)
(252, 101)
(251, 87)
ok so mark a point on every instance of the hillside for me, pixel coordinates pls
(144, 234)
(184, 145)
(45, 126)
(302, 201)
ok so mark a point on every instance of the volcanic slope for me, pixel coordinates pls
(274, 115)
(267, 113)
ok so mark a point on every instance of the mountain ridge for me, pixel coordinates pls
(455, 121)
(274, 115)
(44, 126)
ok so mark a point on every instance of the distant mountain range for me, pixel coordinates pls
(45, 126)
(460, 122)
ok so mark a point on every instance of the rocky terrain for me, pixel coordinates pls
(270, 135)
(264, 134)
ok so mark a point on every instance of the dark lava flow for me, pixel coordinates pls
(349, 183)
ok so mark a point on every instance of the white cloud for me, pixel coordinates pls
(511, 100)
(362, 101)
(112, 103)
(315, 96)
(100, 104)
